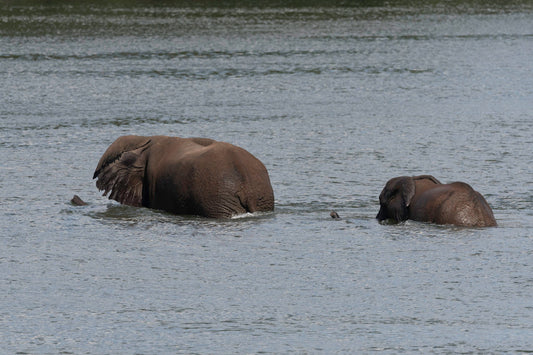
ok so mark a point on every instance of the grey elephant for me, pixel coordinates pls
(197, 176)
(424, 198)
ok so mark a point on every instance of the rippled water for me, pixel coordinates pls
(334, 101)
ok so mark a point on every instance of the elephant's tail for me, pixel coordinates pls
(257, 201)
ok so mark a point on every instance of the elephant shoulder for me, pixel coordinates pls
(122, 175)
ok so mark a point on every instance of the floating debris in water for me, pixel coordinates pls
(77, 201)
(334, 215)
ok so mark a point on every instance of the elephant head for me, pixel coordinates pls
(121, 169)
(395, 198)
(398, 194)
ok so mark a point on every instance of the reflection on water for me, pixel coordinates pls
(335, 99)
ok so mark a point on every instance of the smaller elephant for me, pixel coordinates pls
(424, 198)
(197, 176)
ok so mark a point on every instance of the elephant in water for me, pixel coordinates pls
(197, 176)
(424, 198)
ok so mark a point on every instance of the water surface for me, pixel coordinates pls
(335, 100)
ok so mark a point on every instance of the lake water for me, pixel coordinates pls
(334, 101)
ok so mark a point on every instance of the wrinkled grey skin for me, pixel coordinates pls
(424, 198)
(197, 176)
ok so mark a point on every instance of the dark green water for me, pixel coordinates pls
(335, 100)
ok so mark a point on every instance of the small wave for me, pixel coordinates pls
(252, 215)
(243, 215)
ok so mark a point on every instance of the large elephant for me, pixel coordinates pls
(424, 198)
(197, 176)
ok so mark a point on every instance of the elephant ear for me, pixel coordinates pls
(121, 170)
(408, 190)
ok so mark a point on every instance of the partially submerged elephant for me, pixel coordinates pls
(424, 198)
(197, 176)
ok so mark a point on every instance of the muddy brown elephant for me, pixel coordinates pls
(197, 176)
(424, 198)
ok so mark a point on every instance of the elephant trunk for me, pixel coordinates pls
(382, 214)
